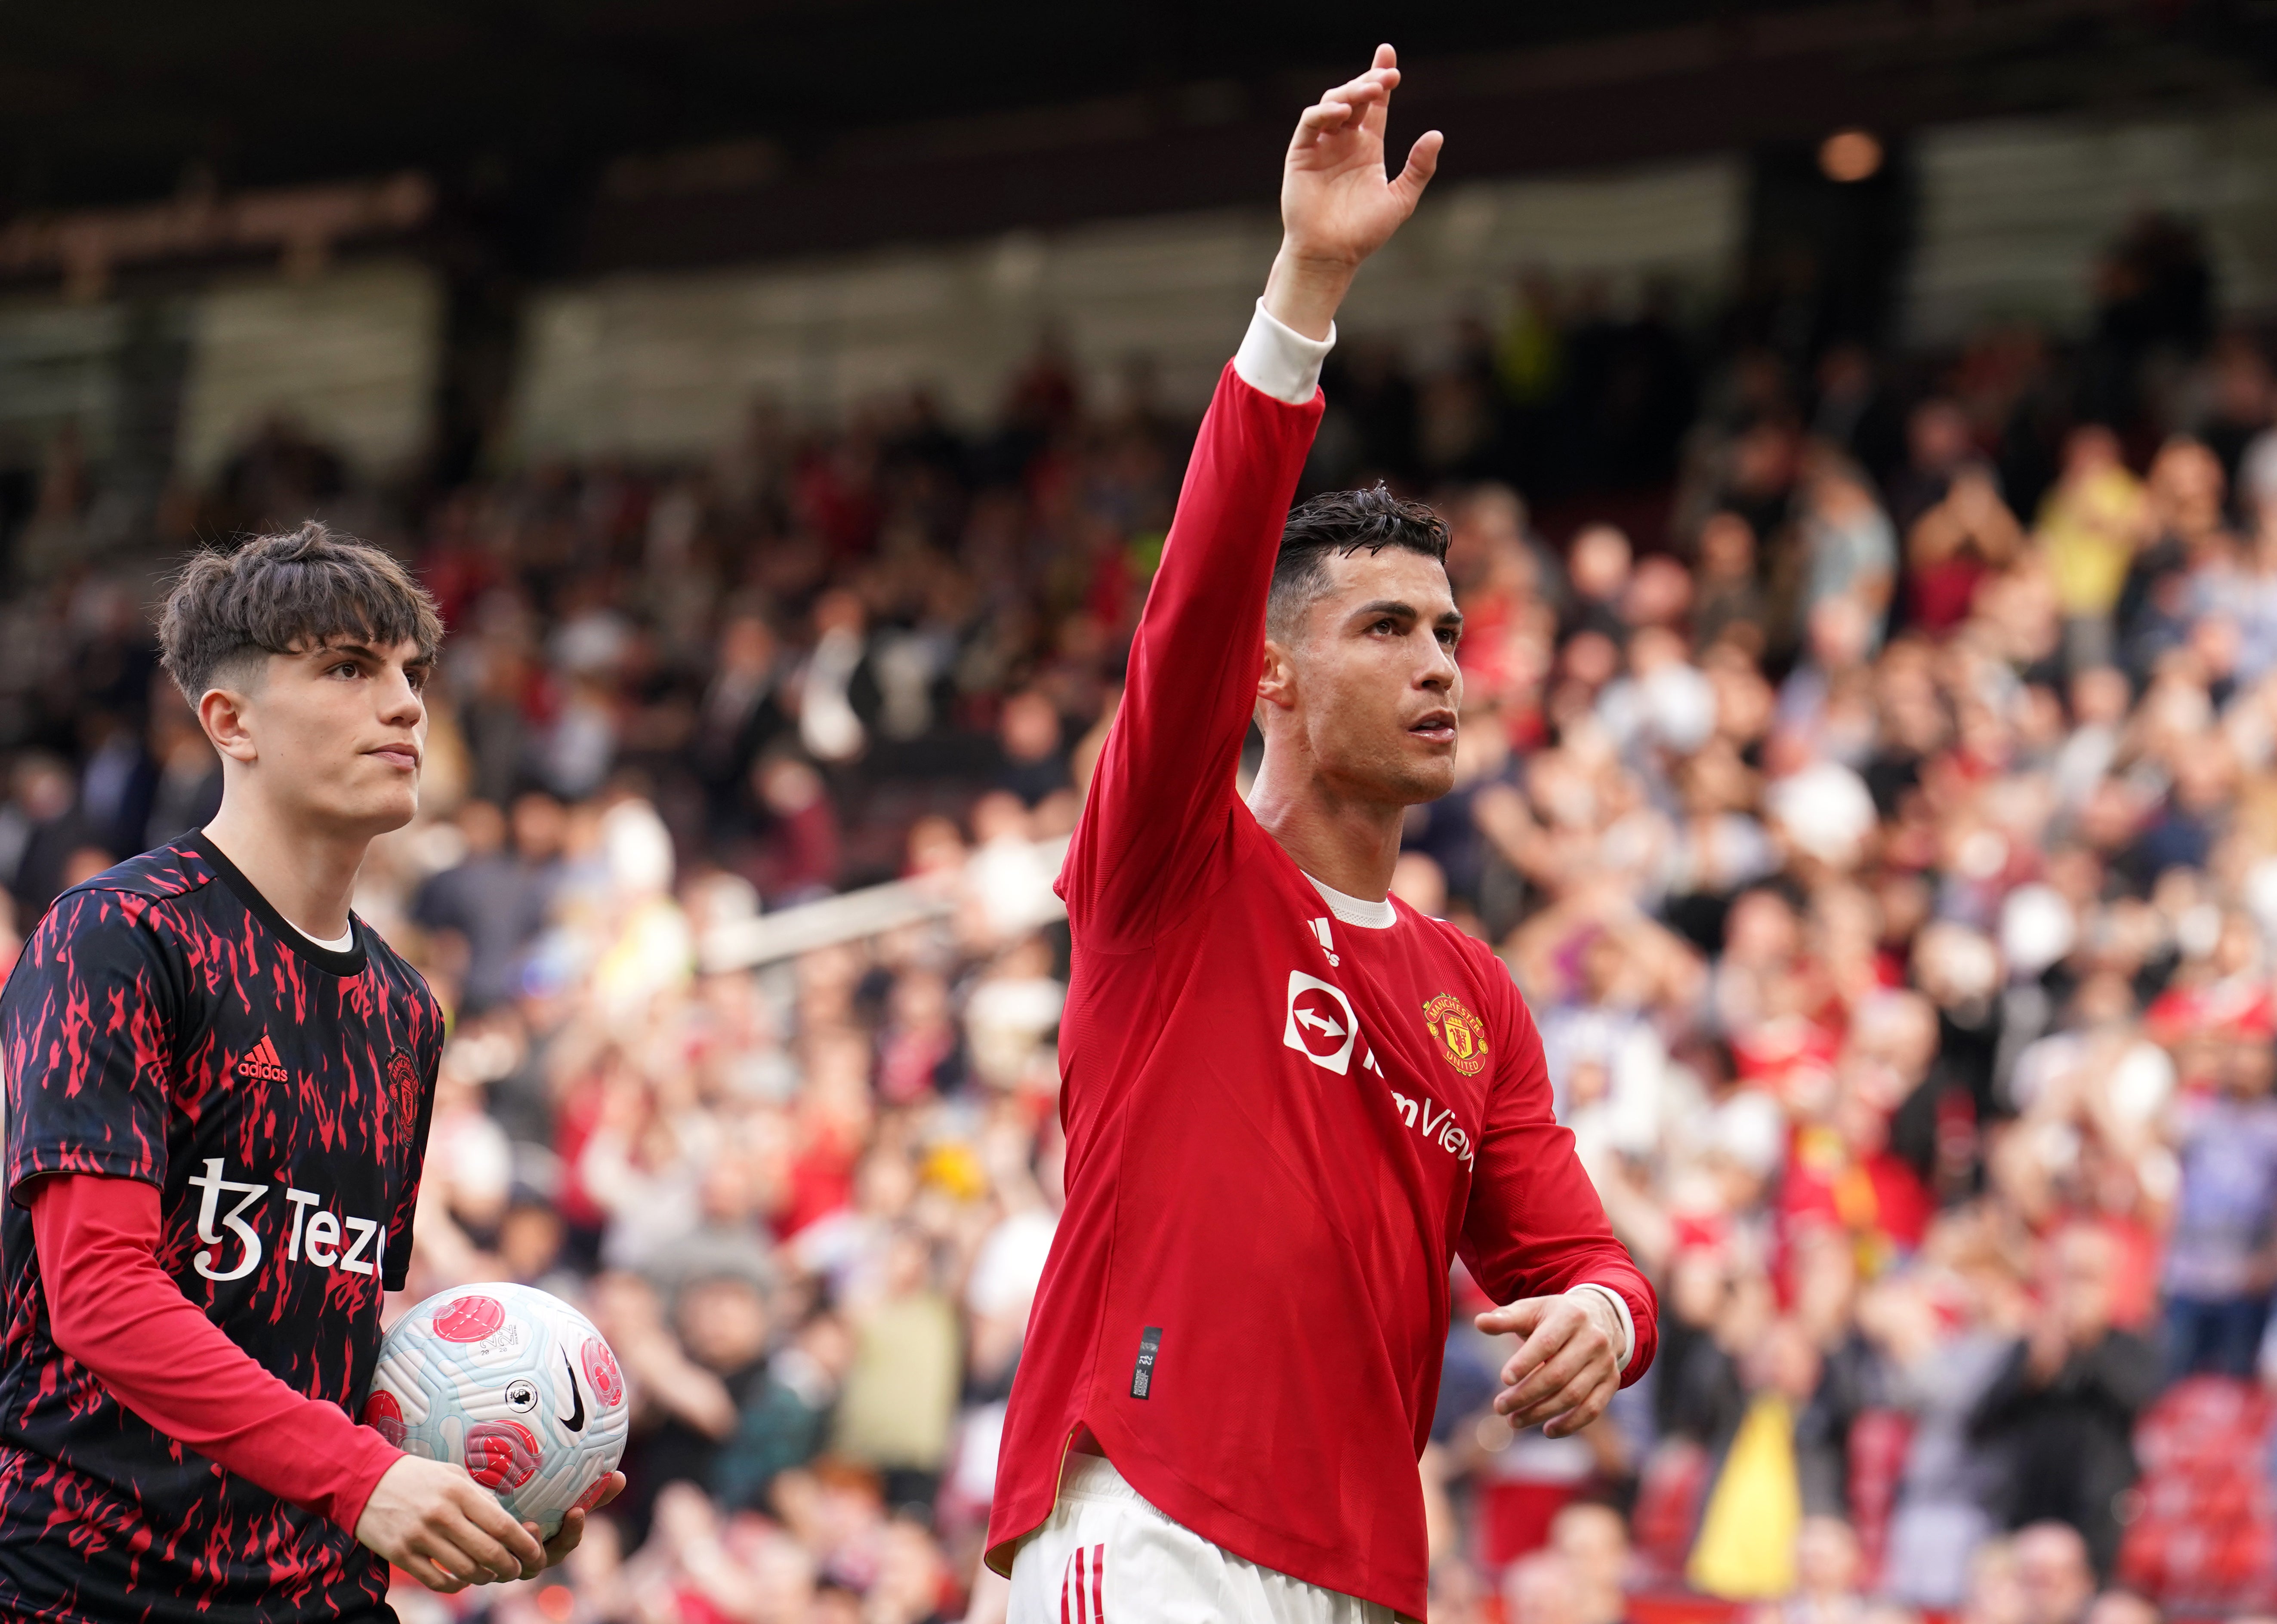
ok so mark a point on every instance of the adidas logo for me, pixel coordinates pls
(262, 1065)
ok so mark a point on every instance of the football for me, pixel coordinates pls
(513, 1385)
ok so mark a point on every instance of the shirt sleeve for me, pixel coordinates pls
(1276, 359)
(1163, 798)
(87, 1028)
(111, 1308)
(1534, 1227)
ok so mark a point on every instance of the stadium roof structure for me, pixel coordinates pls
(590, 134)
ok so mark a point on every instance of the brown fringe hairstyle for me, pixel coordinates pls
(287, 595)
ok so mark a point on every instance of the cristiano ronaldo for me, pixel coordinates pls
(1291, 1102)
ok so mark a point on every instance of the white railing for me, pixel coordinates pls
(765, 938)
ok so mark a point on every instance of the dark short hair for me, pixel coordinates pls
(287, 595)
(1343, 521)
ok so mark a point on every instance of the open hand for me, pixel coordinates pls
(1567, 1369)
(1338, 205)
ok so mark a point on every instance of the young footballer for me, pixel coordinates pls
(217, 1087)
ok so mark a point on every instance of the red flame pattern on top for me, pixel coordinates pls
(121, 1030)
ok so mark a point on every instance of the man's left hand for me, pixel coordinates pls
(1568, 1362)
(573, 1525)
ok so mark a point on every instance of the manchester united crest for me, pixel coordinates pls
(403, 1081)
(1462, 1035)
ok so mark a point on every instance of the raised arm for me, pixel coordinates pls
(1163, 793)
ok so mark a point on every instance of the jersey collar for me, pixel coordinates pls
(331, 960)
(1376, 915)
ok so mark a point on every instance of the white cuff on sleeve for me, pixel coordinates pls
(1628, 1325)
(1275, 359)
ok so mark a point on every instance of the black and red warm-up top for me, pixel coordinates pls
(215, 1134)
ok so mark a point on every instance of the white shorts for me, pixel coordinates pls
(1108, 1557)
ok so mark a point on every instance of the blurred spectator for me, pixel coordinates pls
(1731, 602)
(1541, 1589)
(1035, 765)
(827, 724)
(1594, 1543)
(739, 714)
(1599, 570)
(1959, 542)
(489, 907)
(1941, 1334)
(2219, 1260)
(1939, 445)
(2240, 411)
(1746, 1548)
(899, 1392)
(785, 1424)
(2053, 1572)
(188, 787)
(41, 827)
(115, 782)
(2062, 1414)
(1996, 1587)
(1849, 549)
(2188, 549)
(1826, 1572)
(2091, 525)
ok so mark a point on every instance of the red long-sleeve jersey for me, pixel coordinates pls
(1281, 1127)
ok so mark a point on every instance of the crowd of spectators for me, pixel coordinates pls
(1883, 830)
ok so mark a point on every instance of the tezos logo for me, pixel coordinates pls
(1320, 1025)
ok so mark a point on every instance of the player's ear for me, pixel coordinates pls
(222, 713)
(1276, 681)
